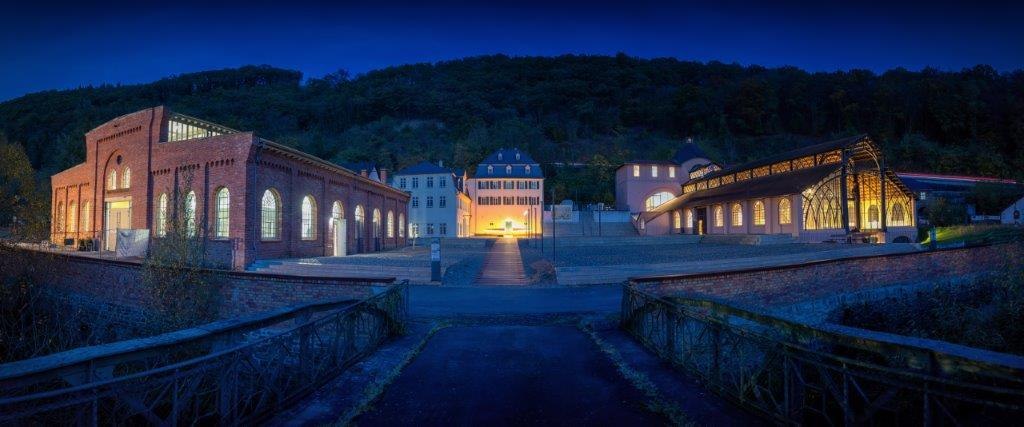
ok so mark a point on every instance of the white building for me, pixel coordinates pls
(439, 206)
(507, 194)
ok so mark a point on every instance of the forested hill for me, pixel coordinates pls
(598, 110)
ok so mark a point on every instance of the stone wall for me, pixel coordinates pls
(119, 283)
(791, 284)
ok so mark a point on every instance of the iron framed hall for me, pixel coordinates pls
(834, 191)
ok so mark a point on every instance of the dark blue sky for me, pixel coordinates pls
(46, 46)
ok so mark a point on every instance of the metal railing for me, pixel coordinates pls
(229, 372)
(795, 373)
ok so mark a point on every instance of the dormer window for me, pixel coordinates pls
(508, 169)
(499, 156)
(490, 169)
(528, 169)
(517, 156)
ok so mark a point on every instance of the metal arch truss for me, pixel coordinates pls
(793, 376)
(239, 377)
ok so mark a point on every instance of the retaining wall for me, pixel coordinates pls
(790, 284)
(88, 280)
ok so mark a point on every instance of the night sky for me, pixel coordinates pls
(46, 46)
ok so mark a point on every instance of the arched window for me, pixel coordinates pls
(785, 212)
(161, 216)
(72, 217)
(657, 199)
(528, 168)
(719, 216)
(376, 223)
(401, 225)
(190, 213)
(112, 180)
(677, 220)
(899, 215)
(490, 169)
(337, 213)
(391, 224)
(126, 178)
(689, 217)
(87, 216)
(308, 226)
(223, 213)
(737, 215)
(508, 169)
(873, 218)
(360, 220)
(59, 226)
(758, 212)
(270, 215)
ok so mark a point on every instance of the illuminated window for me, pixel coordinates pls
(87, 216)
(72, 217)
(401, 225)
(874, 220)
(59, 227)
(689, 217)
(803, 162)
(719, 216)
(657, 199)
(126, 178)
(785, 212)
(360, 217)
(508, 169)
(898, 217)
(671, 171)
(181, 128)
(758, 212)
(222, 214)
(308, 223)
(270, 215)
(190, 213)
(677, 221)
(391, 224)
(490, 170)
(337, 213)
(737, 215)
(528, 168)
(376, 223)
(636, 171)
(654, 171)
(761, 171)
(112, 180)
(161, 216)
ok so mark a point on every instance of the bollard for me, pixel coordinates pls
(931, 239)
(435, 260)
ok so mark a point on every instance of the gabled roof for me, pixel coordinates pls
(423, 168)
(508, 163)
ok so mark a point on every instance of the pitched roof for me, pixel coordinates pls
(423, 168)
(500, 160)
(792, 154)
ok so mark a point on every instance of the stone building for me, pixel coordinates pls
(439, 205)
(507, 195)
(247, 198)
(838, 190)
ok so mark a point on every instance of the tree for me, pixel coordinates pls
(22, 208)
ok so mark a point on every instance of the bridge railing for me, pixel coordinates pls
(794, 372)
(227, 372)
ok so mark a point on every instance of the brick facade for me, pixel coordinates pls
(241, 162)
(802, 282)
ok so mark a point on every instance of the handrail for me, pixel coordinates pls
(96, 354)
(948, 357)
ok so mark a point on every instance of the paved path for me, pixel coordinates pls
(503, 264)
(621, 273)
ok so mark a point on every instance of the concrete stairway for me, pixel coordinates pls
(503, 265)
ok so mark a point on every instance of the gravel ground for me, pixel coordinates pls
(652, 254)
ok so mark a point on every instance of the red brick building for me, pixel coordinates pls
(247, 198)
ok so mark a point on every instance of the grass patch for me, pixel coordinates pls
(986, 314)
(639, 380)
(975, 235)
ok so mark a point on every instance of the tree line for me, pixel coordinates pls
(593, 110)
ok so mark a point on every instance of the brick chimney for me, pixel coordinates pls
(383, 172)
